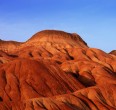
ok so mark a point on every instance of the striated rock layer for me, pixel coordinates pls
(55, 70)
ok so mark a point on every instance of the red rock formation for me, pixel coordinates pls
(113, 52)
(9, 46)
(55, 70)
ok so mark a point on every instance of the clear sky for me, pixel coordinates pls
(93, 20)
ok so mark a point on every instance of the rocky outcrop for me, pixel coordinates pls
(55, 70)
(113, 52)
(9, 46)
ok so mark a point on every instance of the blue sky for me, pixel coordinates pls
(93, 20)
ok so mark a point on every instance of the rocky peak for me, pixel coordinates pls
(57, 37)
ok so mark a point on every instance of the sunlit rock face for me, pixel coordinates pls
(56, 70)
(9, 46)
(57, 37)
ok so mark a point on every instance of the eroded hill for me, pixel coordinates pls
(55, 70)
